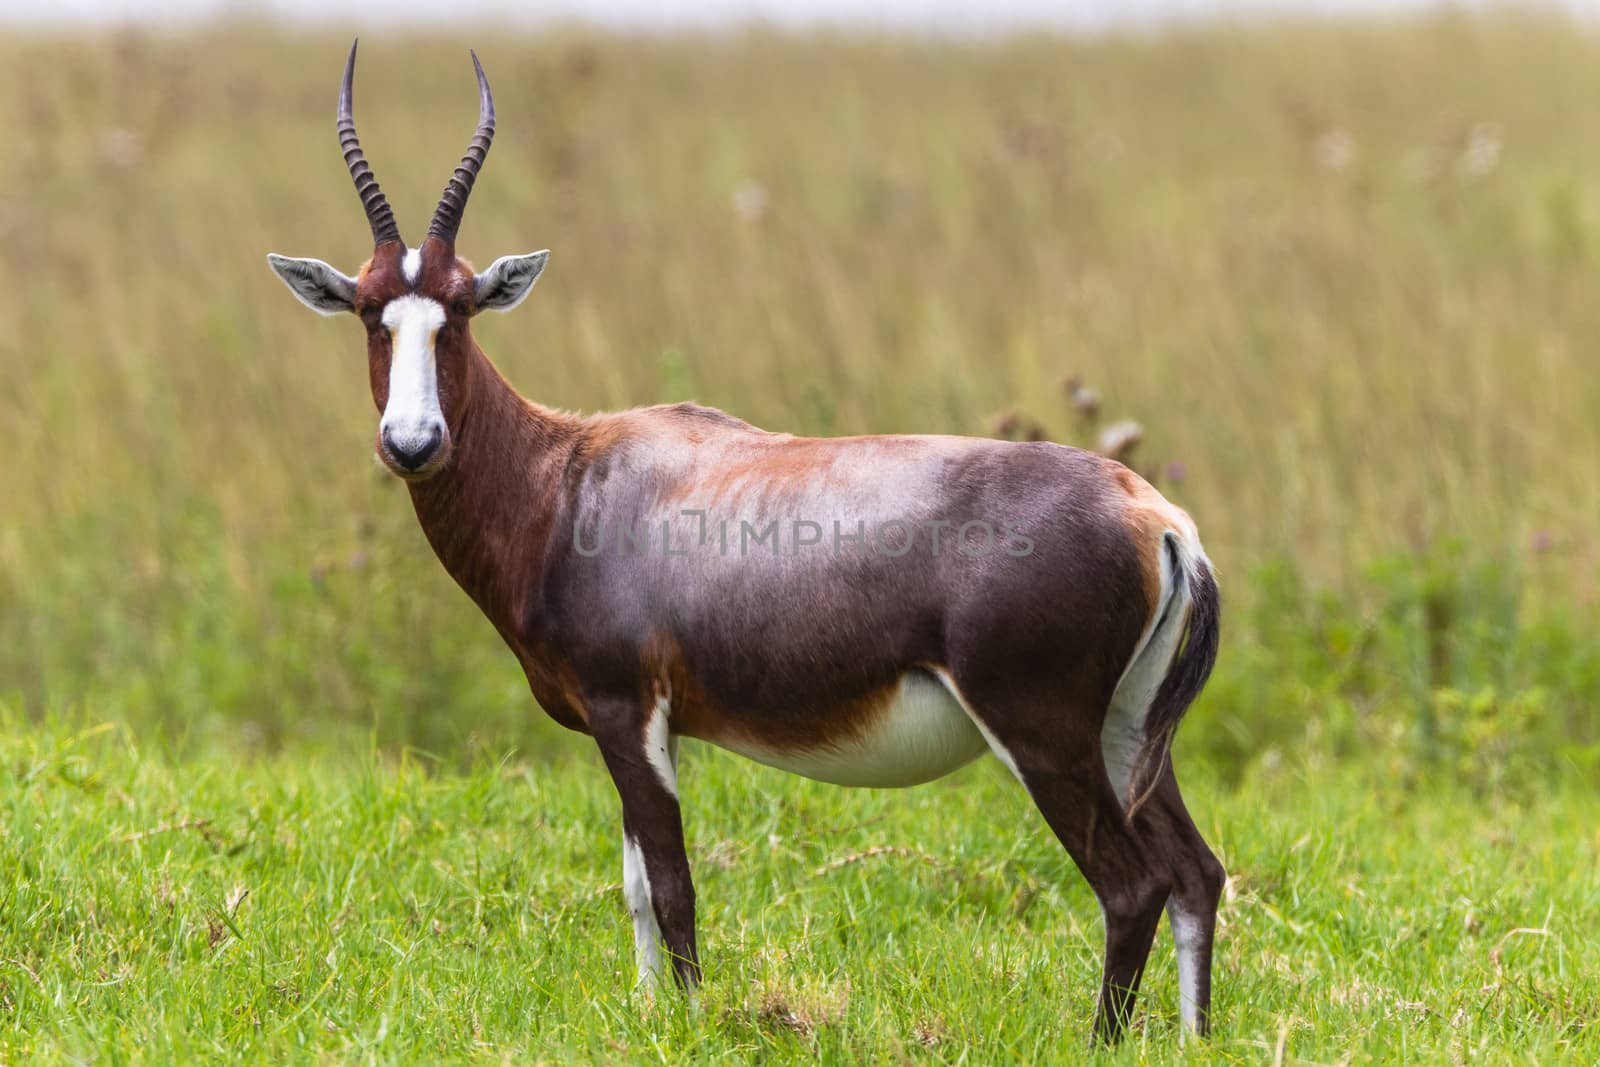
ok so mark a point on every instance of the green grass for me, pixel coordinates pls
(306, 907)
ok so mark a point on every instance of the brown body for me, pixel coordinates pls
(871, 611)
(650, 560)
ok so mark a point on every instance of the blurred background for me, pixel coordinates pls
(1325, 273)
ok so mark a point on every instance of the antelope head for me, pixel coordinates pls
(415, 303)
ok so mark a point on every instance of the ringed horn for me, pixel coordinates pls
(447, 216)
(379, 215)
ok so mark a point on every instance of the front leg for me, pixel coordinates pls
(642, 757)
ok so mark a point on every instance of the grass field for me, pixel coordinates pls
(308, 907)
(1344, 275)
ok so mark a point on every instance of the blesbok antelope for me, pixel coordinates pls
(872, 611)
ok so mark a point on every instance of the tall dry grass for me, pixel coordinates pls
(1344, 275)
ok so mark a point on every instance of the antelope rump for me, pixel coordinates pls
(873, 611)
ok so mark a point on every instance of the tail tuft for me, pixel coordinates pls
(1190, 668)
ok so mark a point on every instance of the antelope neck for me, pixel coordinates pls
(488, 514)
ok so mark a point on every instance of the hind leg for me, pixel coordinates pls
(1197, 881)
(1130, 880)
(1197, 876)
(1073, 792)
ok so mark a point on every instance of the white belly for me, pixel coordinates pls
(922, 735)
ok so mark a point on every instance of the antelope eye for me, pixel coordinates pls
(462, 307)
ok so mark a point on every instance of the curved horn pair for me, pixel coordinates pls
(447, 216)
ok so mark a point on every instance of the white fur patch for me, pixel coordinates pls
(924, 734)
(411, 418)
(1122, 736)
(660, 747)
(1000, 750)
(1187, 934)
(411, 265)
(646, 932)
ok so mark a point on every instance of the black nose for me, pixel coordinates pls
(413, 454)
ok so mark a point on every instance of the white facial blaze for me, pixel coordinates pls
(411, 265)
(411, 419)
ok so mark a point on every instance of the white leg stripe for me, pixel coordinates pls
(646, 934)
(1187, 935)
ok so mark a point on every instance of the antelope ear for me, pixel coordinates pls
(507, 281)
(319, 286)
